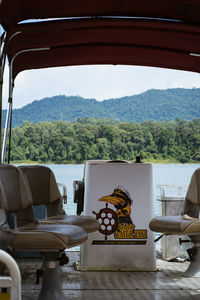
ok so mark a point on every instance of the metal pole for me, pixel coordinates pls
(2, 65)
(10, 137)
(11, 85)
(8, 115)
(15, 282)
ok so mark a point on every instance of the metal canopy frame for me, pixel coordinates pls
(2, 67)
(10, 104)
(104, 41)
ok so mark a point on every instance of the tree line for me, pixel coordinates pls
(85, 139)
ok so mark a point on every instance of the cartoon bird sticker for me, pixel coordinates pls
(121, 200)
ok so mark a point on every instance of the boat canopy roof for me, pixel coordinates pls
(104, 41)
(149, 33)
(15, 11)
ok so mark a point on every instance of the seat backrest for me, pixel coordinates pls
(15, 193)
(192, 199)
(42, 183)
(44, 188)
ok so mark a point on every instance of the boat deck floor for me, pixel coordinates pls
(166, 283)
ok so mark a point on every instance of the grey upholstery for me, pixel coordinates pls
(44, 237)
(12, 182)
(89, 224)
(188, 223)
(50, 239)
(175, 224)
(45, 191)
(15, 195)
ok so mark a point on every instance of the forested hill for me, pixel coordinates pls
(154, 105)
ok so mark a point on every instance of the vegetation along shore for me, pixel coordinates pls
(84, 139)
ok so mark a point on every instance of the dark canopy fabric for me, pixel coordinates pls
(104, 41)
(147, 33)
(85, 55)
(14, 11)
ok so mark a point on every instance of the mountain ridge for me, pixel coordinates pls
(153, 105)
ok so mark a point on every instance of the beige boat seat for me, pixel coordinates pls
(188, 223)
(50, 239)
(45, 191)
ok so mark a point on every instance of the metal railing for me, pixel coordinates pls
(12, 282)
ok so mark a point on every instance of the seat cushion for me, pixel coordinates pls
(44, 237)
(175, 224)
(89, 224)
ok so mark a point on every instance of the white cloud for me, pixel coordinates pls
(100, 82)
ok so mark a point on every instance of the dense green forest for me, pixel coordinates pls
(154, 105)
(64, 142)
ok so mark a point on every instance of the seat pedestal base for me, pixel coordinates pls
(194, 266)
(51, 289)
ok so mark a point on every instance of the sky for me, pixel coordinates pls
(100, 82)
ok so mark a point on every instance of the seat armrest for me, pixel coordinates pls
(64, 193)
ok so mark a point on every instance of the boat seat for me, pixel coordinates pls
(180, 225)
(50, 239)
(188, 223)
(45, 191)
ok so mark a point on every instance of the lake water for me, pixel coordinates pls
(163, 174)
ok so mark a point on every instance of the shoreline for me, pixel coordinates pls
(166, 162)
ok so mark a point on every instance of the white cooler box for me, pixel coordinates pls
(120, 196)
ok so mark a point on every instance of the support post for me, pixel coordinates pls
(10, 97)
(2, 65)
(11, 85)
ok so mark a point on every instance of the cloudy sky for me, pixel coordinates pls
(99, 82)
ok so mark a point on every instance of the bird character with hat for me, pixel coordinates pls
(121, 200)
